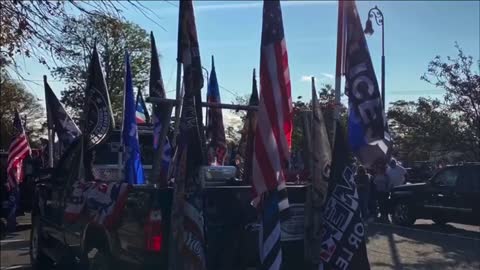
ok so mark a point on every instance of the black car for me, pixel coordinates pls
(452, 194)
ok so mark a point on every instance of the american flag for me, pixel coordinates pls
(141, 111)
(17, 152)
(274, 126)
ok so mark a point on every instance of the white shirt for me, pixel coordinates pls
(396, 176)
(381, 183)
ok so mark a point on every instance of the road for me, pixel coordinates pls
(422, 246)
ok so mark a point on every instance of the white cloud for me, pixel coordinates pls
(324, 77)
(328, 75)
(306, 78)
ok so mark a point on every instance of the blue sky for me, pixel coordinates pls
(415, 32)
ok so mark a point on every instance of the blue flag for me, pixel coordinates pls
(217, 145)
(133, 163)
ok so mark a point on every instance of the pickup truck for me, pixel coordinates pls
(139, 240)
(451, 195)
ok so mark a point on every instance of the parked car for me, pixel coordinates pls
(140, 239)
(452, 194)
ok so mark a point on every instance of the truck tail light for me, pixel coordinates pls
(153, 231)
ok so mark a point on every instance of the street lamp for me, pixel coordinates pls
(378, 15)
(206, 70)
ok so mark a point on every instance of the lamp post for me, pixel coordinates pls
(206, 71)
(378, 15)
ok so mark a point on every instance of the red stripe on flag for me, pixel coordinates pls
(268, 174)
(267, 94)
(286, 92)
(20, 152)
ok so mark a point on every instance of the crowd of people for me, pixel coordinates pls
(373, 189)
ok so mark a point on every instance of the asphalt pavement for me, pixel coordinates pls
(422, 246)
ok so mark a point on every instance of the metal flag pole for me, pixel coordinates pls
(173, 241)
(339, 65)
(178, 92)
(179, 99)
(51, 135)
(378, 15)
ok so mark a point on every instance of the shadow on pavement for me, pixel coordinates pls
(447, 228)
(14, 245)
(23, 227)
(17, 267)
(425, 248)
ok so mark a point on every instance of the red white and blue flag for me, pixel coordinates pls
(273, 133)
(141, 111)
(17, 152)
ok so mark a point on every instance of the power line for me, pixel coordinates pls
(233, 93)
(171, 3)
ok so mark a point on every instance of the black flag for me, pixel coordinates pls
(97, 112)
(248, 133)
(188, 236)
(343, 236)
(160, 119)
(367, 126)
(58, 119)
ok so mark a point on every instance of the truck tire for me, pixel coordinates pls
(403, 214)
(37, 258)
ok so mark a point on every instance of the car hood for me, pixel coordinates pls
(410, 187)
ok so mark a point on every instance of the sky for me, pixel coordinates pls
(415, 32)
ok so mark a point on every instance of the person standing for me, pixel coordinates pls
(396, 174)
(381, 182)
(362, 179)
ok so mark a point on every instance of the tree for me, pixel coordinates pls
(425, 130)
(33, 28)
(14, 95)
(462, 86)
(326, 97)
(113, 36)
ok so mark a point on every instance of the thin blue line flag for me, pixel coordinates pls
(131, 152)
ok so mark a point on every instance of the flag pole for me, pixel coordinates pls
(50, 131)
(178, 92)
(173, 243)
(339, 65)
